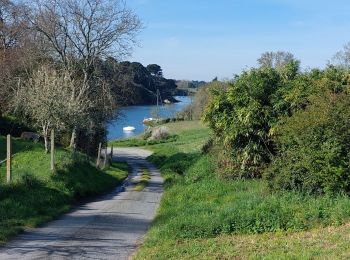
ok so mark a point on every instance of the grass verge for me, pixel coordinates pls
(204, 217)
(144, 180)
(37, 195)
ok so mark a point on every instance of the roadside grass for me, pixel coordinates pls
(36, 195)
(321, 243)
(202, 216)
(17, 145)
(144, 180)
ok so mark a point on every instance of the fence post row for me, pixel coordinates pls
(8, 160)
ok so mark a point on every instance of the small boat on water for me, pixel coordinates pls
(128, 128)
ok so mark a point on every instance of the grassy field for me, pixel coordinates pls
(37, 195)
(204, 217)
(175, 129)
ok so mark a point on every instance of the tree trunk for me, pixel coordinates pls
(46, 141)
(73, 139)
(46, 138)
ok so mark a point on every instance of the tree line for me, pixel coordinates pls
(134, 84)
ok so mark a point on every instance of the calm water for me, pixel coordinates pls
(134, 115)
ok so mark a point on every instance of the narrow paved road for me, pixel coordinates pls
(111, 227)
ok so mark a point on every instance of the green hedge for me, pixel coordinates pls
(314, 147)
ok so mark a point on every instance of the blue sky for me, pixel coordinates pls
(201, 39)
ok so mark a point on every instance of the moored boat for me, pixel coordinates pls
(128, 128)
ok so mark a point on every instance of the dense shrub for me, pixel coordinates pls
(241, 119)
(246, 116)
(314, 147)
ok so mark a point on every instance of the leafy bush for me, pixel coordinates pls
(241, 119)
(314, 147)
(245, 118)
(208, 146)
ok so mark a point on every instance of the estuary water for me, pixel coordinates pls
(134, 115)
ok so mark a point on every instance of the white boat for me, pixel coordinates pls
(128, 128)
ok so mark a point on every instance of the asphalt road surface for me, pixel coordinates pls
(110, 227)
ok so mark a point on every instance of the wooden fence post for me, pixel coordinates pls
(98, 155)
(105, 158)
(52, 150)
(8, 160)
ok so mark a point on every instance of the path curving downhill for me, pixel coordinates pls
(111, 227)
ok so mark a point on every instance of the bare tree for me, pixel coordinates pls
(275, 59)
(12, 24)
(78, 33)
(342, 57)
(45, 99)
(13, 42)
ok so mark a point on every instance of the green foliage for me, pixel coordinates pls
(155, 70)
(242, 117)
(201, 205)
(245, 118)
(293, 95)
(314, 147)
(132, 83)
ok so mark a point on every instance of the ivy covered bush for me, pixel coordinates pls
(314, 147)
(243, 118)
